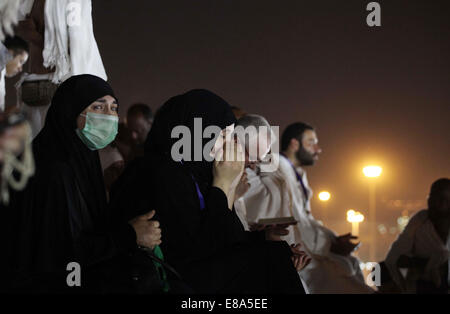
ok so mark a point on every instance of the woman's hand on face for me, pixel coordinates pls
(229, 166)
(148, 232)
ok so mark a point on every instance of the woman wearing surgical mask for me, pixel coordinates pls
(64, 241)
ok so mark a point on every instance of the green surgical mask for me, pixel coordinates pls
(99, 130)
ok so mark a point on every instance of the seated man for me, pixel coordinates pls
(285, 192)
(423, 247)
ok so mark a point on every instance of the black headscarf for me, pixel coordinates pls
(58, 141)
(182, 110)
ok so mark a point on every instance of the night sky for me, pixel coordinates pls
(374, 94)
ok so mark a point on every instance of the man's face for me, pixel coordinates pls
(15, 66)
(139, 127)
(309, 150)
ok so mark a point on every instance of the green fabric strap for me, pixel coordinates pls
(159, 254)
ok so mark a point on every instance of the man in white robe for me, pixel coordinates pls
(286, 192)
(427, 238)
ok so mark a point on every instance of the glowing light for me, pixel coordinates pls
(324, 196)
(354, 216)
(372, 171)
(402, 222)
(382, 229)
(369, 266)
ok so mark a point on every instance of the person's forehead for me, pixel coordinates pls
(106, 99)
(19, 55)
(309, 134)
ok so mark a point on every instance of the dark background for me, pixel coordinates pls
(377, 94)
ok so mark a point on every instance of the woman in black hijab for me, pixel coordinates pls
(62, 214)
(203, 238)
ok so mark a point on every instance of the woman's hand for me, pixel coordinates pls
(148, 232)
(228, 169)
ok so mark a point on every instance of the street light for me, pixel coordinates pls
(355, 218)
(324, 197)
(372, 172)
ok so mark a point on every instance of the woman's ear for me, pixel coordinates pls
(81, 120)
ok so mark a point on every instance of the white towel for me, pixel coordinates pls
(9, 16)
(70, 45)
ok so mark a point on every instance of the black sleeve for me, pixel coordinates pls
(189, 233)
(92, 243)
(256, 236)
(96, 247)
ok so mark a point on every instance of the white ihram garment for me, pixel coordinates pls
(419, 239)
(279, 194)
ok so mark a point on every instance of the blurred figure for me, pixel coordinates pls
(238, 112)
(139, 122)
(423, 248)
(16, 157)
(124, 143)
(16, 166)
(286, 193)
(14, 54)
(117, 155)
(129, 143)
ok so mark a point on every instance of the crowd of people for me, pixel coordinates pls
(111, 197)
